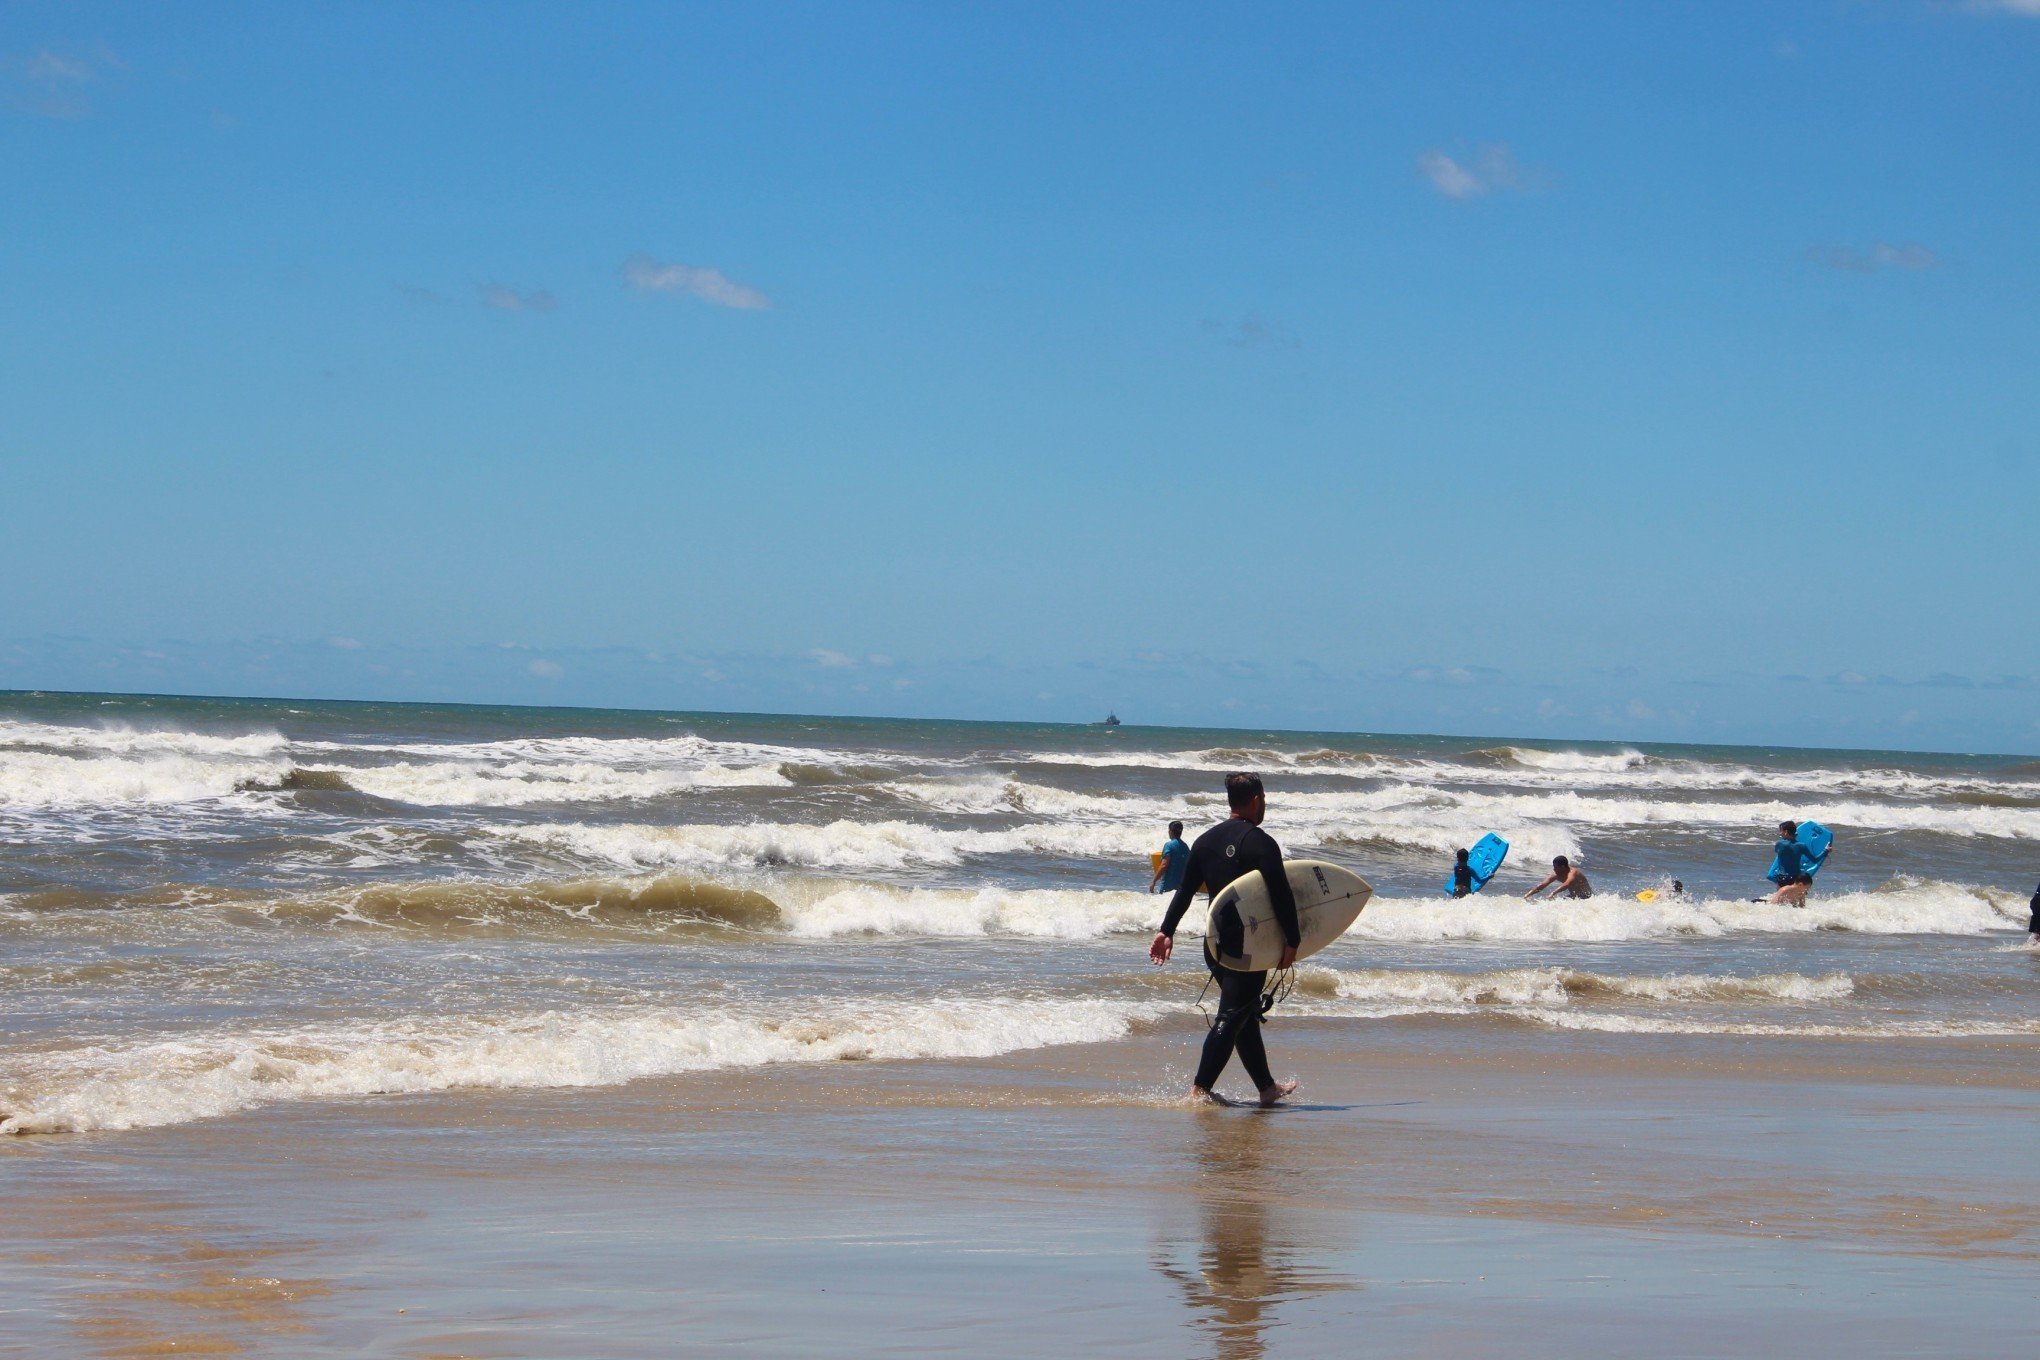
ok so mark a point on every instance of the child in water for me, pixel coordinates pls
(1462, 878)
(1794, 875)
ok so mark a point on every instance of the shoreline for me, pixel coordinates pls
(1565, 1191)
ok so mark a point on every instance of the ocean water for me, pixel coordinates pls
(210, 907)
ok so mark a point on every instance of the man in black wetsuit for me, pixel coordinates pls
(1234, 847)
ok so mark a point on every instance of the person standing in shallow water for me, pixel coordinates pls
(1794, 876)
(1462, 876)
(1235, 847)
(2033, 922)
(1175, 855)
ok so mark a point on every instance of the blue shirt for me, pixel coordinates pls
(1175, 859)
(1792, 860)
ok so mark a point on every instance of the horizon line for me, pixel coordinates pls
(994, 722)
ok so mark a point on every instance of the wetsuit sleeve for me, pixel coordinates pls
(1193, 874)
(1280, 896)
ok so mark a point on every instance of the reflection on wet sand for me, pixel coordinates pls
(140, 1275)
(1253, 1250)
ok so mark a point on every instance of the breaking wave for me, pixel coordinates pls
(173, 1081)
(1902, 907)
(1561, 987)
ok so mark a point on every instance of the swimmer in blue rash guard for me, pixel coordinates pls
(1794, 875)
(1231, 849)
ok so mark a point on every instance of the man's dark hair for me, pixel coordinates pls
(1175, 831)
(1462, 857)
(1242, 789)
(1561, 863)
(1790, 829)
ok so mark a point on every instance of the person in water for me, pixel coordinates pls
(1462, 877)
(2033, 923)
(1235, 847)
(1175, 855)
(1794, 874)
(1564, 878)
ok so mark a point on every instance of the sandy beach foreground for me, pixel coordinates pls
(1531, 1194)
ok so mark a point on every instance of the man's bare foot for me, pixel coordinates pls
(1209, 1097)
(1276, 1094)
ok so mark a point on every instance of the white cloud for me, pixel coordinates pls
(510, 300)
(546, 670)
(1882, 255)
(647, 275)
(824, 656)
(52, 68)
(345, 644)
(53, 84)
(1489, 170)
(1640, 711)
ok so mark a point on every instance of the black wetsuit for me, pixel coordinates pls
(1462, 880)
(2033, 925)
(1232, 848)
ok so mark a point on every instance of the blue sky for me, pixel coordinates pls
(1628, 371)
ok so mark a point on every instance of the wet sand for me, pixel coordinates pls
(1452, 1188)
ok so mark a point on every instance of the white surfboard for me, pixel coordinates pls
(1328, 900)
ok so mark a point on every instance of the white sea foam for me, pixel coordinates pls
(1539, 824)
(172, 1081)
(1879, 1028)
(839, 845)
(1573, 761)
(1414, 818)
(1036, 913)
(979, 795)
(1906, 907)
(1563, 769)
(1550, 987)
(520, 783)
(37, 779)
(121, 740)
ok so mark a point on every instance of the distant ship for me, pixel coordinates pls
(1111, 720)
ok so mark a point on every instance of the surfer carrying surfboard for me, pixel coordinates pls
(1235, 847)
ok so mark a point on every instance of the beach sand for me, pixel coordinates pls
(1527, 1193)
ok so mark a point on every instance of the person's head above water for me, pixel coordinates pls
(1788, 830)
(1462, 857)
(1243, 793)
(1175, 831)
(1561, 863)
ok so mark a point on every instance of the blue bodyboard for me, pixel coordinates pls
(1817, 839)
(1483, 859)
